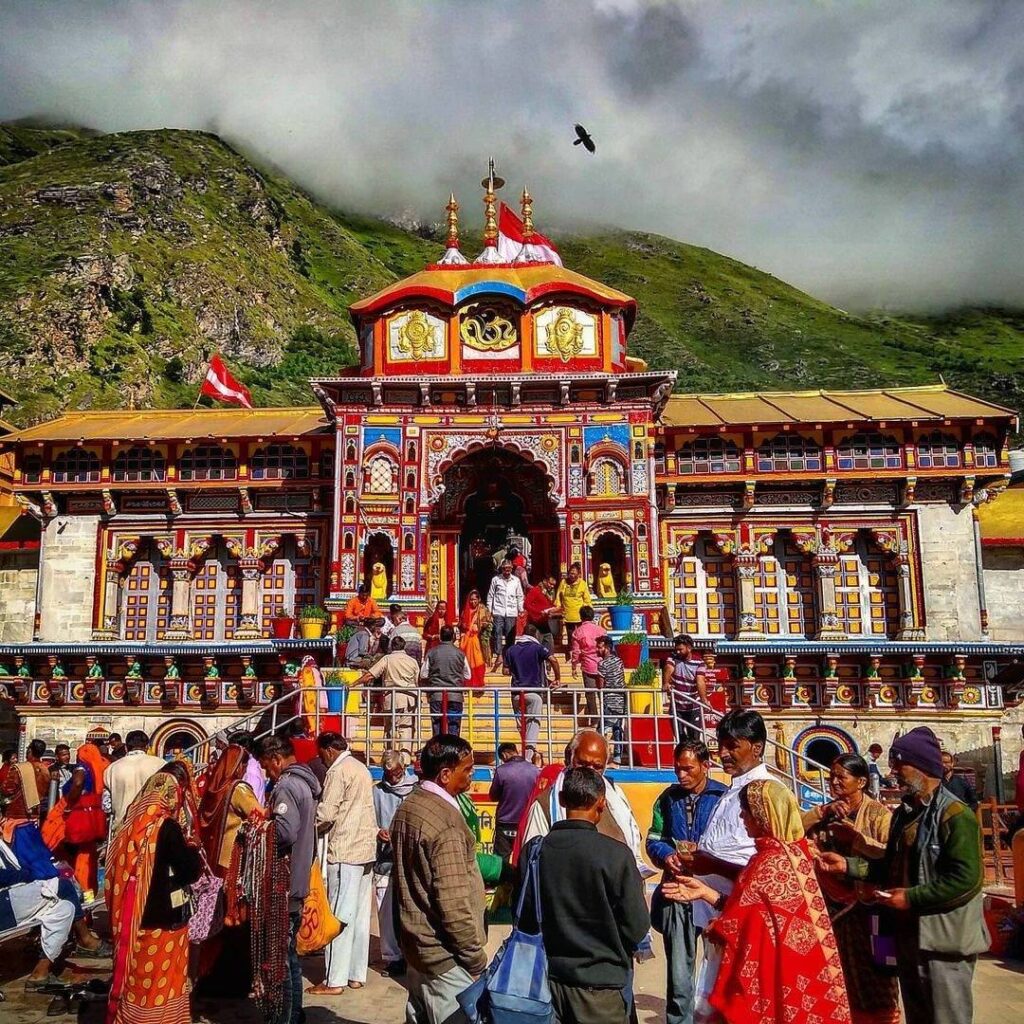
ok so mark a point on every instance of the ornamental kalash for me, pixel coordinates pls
(823, 548)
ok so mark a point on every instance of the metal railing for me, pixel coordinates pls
(376, 719)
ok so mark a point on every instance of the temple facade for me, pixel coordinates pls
(824, 548)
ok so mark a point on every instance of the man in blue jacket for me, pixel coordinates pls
(680, 816)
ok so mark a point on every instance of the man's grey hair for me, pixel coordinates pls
(391, 759)
(581, 735)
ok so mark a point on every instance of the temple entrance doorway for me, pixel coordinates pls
(608, 549)
(497, 500)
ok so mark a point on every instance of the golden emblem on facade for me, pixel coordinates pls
(487, 330)
(417, 337)
(564, 336)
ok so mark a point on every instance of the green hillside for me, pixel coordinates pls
(125, 260)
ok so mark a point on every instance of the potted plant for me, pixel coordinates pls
(628, 649)
(282, 624)
(644, 687)
(622, 610)
(313, 620)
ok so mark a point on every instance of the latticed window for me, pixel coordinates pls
(870, 451)
(327, 463)
(704, 595)
(708, 455)
(867, 593)
(76, 466)
(938, 451)
(788, 453)
(216, 598)
(986, 451)
(784, 592)
(146, 604)
(32, 469)
(290, 582)
(140, 464)
(280, 462)
(607, 478)
(208, 462)
(381, 476)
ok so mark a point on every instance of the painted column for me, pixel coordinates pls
(110, 613)
(826, 564)
(746, 563)
(249, 625)
(179, 626)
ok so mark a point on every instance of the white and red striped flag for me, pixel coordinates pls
(513, 246)
(221, 385)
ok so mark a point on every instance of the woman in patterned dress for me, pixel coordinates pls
(779, 961)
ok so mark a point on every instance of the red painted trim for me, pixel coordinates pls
(19, 545)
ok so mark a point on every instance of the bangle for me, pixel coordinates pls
(719, 904)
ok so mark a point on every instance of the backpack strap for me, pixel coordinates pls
(531, 876)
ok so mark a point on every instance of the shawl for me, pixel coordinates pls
(90, 757)
(432, 627)
(311, 682)
(473, 619)
(130, 860)
(780, 962)
(213, 808)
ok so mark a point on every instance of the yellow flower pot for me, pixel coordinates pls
(354, 698)
(643, 699)
(312, 629)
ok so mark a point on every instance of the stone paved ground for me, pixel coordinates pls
(999, 991)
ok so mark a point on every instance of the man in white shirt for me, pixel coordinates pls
(124, 779)
(505, 603)
(725, 847)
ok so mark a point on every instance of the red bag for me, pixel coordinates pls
(85, 822)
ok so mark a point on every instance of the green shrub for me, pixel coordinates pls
(631, 638)
(314, 613)
(646, 674)
(625, 597)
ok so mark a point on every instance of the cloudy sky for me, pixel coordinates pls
(869, 151)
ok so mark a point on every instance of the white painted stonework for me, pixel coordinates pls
(69, 578)
(951, 606)
(1004, 593)
(18, 575)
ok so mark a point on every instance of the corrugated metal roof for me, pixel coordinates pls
(928, 402)
(1002, 520)
(167, 424)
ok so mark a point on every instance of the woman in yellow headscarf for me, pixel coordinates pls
(379, 582)
(312, 696)
(606, 588)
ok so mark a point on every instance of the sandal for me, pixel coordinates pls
(355, 984)
(104, 951)
(39, 984)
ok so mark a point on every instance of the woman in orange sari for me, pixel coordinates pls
(779, 962)
(473, 623)
(312, 696)
(149, 868)
(82, 796)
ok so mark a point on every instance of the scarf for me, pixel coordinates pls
(89, 755)
(779, 957)
(311, 679)
(213, 808)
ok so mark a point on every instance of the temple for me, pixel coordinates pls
(825, 549)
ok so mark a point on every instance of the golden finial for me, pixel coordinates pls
(453, 222)
(491, 184)
(527, 208)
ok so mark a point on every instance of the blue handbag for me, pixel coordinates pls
(514, 988)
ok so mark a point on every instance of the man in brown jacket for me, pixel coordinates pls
(439, 894)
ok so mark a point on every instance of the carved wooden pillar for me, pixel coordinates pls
(746, 563)
(179, 626)
(110, 608)
(249, 625)
(826, 565)
(910, 627)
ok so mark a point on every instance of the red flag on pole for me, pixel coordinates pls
(221, 385)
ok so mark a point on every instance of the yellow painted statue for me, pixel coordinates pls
(379, 582)
(606, 582)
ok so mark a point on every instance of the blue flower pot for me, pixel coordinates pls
(622, 616)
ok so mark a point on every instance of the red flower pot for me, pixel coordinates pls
(629, 653)
(282, 628)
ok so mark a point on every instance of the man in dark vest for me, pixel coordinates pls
(446, 671)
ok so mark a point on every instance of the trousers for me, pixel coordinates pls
(504, 627)
(680, 935)
(400, 706)
(384, 892)
(348, 890)
(453, 725)
(937, 987)
(435, 1000)
(575, 1005)
(291, 1006)
(534, 707)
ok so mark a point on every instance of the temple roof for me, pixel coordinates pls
(1002, 520)
(930, 402)
(524, 282)
(170, 424)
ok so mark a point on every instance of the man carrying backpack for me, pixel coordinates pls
(593, 910)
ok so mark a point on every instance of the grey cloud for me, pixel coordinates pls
(868, 152)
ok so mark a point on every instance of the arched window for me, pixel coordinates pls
(606, 478)
(139, 463)
(327, 463)
(76, 466)
(708, 455)
(32, 469)
(350, 505)
(410, 542)
(350, 541)
(986, 451)
(410, 479)
(381, 476)
(350, 479)
(280, 462)
(788, 453)
(870, 451)
(350, 451)
(208, 462)
(410, 451)
(867, 592)
(410, 506)
(938, 451)
(704, 592)
(784, 591)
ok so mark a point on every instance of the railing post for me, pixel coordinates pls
(444, 712)
(522, 720)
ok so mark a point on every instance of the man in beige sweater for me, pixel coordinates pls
(347, 816)
(123, 780)
(439, 894)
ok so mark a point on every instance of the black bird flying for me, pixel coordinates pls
(583, 139)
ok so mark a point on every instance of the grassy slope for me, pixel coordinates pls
(175, 246)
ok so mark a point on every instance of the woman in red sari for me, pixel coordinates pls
(779, 959)
(474, 620)
(439, 617)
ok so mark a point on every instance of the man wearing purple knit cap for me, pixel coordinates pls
(931, 875)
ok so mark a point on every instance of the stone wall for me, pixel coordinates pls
(69, 578)
(19, 571)
(950, 573)
(1004, 592)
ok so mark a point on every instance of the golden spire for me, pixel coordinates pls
(453, 222)
(491, 184)
(527, 208)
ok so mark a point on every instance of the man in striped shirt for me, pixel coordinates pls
(684, 680)
(611, 678)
